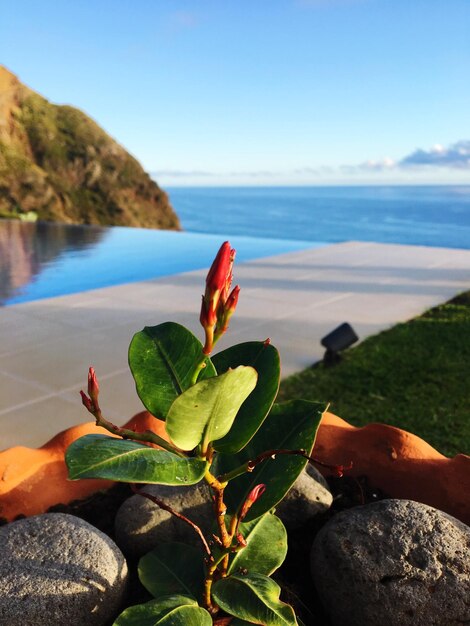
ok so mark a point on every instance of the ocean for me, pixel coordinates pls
(41, 260)
(416, 215)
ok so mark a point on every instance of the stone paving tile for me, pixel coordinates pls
(19, 330)
(295, 299)
(15, 390)
(35, 423)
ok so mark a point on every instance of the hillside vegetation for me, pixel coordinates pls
(58, 163)
(414, 376)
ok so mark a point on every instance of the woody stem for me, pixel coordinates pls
(147, 436)
(180, 516)
(249, 466)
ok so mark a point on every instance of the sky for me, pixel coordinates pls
(260, 92)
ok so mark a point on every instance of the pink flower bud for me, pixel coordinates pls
(93, 386)
(91, 401)
(87, 403)
(251, 498)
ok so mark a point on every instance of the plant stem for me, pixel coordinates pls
(207, 600)
(147, 436)
(180, 516)
(199, 367)
(249, 466)
(224, 539)
(219, 506)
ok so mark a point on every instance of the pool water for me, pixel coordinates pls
(43, 260)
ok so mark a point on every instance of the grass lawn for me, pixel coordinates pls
(415, 376)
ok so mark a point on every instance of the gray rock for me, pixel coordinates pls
(57, 569)
(308, 496)
(140, 523)
(393, 563)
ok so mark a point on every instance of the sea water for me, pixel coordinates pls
(45, 260)
(416, 215)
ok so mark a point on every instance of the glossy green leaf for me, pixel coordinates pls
(254, 598)
(173, 568)
(122, 460)
(266, 548)
(175, 610)
(292, 425)
(163, 360)
(265, 359)
(206, 411)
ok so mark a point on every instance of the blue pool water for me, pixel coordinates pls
(46, 260)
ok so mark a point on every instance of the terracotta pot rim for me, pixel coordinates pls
(397, 462)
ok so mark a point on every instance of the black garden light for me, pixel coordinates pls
(335, 342)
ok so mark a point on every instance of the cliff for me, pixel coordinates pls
(58, 163)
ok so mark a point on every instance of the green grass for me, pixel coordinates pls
(415, 376)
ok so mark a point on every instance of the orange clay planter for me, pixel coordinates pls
(399, 463)
(34, 479)
(395, 461)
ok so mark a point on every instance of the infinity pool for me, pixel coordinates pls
(43, 260)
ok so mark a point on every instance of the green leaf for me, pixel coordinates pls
(173, 568)
(122, 460)
(206, 411)
(265, 359)
(254, 598)
(292, 425)
(163, 360)
(266, 548)
(175, 610)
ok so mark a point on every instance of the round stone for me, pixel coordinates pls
(57, 569)
(308, 496)
(140, 524)
(393, 562)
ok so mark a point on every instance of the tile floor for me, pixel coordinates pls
(295, 299)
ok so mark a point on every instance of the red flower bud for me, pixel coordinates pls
(91, 401)
(227, 310)
(232, 301)
(251, 498)
(213, 307)
(221, 268)
(87, 403)
(93, 386)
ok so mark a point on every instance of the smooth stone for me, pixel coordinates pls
(57, 569)
(308, 496)
(140, 524)
(394, 563)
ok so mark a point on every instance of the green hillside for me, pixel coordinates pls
(58, 163)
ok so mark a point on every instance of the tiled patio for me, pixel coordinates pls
(46, 346)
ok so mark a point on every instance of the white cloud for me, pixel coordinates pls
(378, 166)
(440, 161)
(456, 156)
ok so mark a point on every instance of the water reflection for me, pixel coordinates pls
(28, 248)
(46, 260)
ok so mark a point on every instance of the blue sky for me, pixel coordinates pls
(265, 92)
